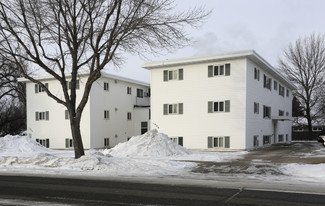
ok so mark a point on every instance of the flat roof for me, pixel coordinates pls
(104, 74)
(249, 54)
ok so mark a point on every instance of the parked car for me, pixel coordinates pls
(321, 137)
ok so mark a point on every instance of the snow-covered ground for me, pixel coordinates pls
(152, 155)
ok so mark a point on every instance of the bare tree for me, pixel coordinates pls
(12, 100)
(68, 36)
(304, 65)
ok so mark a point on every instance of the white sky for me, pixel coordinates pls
(267, 26)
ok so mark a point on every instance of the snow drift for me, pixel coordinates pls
(150, 144)
(20, 144)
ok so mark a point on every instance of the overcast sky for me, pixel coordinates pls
(267, 26)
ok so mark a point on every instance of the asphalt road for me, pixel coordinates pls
(62, 191)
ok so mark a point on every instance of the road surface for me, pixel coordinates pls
(32, 190)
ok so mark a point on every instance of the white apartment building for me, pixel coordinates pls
(232, 101)
(117, 109)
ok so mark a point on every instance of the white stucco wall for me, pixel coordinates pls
(256, 124)
(117, 128)
(196, 89)
(196, 124)
(57, 128)
(94, 128)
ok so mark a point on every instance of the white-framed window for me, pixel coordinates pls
(266, 139)
(219, 70)
(77, 84)
(42, 116)
(106, 86)
(129, 90)
(267, 82)
(106, 114)
(68, 143)
(256, 108)
(176, 108)
(39, 88)
(175, 74)
(281, 137)
(275, 85)
(298, 129)
(44, 142)
(287, 113)
(219, 106)
(129, 116)
(66, 114)
(287, 137)
(140, 93)
(317, 128)
(177, 140)
(255, 143)
(266, 112)
(281, 90)
(219, 142)
(281, 113)
(106, 142)
(287, 92)
(256, 74)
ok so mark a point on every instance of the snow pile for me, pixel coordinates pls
(150, 144)
(305, 171)
(20, 144)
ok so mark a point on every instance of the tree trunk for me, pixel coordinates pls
(76, 136)
(310, 126)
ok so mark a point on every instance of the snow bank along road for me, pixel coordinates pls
(154, 158)
(62, 191)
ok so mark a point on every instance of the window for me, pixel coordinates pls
(129, 90)
(266, 139)
(256, 108)
(275, 85)
(256, 143)
(44, 142)
(281, 90)
(68, 143)
(219, 142)
(223, 106)
(267, 82)
(42, 116)
(39, 88)
(106, 142)
(317, 128)
(106, 114)
(280, 137)
(106, 86)
(66, 114)
(129, 117)
(287, 113)
(281, 113)
(257, 74)
(266, 112)
(177, 140)
(219, 70)
(287, 137)
(173, 108)
(140, 93)
(287, 92)
(298, 129)
(176, 74)
(77, 84)
(144, 127)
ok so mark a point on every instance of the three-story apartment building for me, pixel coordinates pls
(118, 108)
(226, 101)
